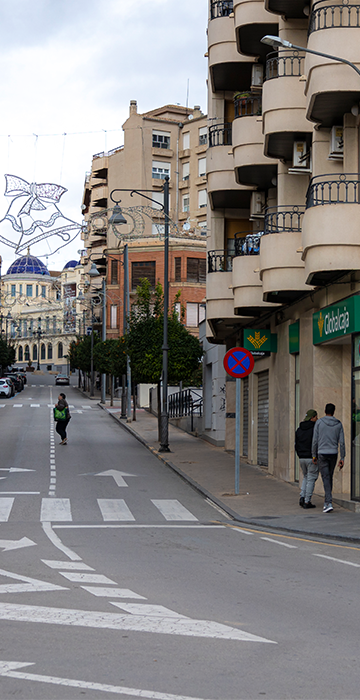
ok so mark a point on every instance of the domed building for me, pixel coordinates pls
(40, 312)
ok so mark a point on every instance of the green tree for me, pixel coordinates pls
(7, 354)
(110, 357)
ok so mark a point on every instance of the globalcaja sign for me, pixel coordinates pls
(337, 320)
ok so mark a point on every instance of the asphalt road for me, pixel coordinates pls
(118, 579)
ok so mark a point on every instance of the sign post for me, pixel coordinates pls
(238, 363)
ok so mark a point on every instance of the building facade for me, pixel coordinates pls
(284, 220)
(170, 141)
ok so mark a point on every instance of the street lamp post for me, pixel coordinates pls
(276, 42)
(38, 334)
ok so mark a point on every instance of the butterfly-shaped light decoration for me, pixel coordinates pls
(33, 216)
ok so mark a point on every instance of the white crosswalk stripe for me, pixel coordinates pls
(114, 509)
(172, 509)
(55, 510)
(6, 505)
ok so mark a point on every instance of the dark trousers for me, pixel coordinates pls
(327, 464)
(61, 428)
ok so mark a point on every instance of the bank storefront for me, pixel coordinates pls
(340, 324)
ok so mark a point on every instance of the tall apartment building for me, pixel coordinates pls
(284, 220)
(168, 141)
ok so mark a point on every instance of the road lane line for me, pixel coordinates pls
(78, 576)
(283, 544)
(56, 541)
(243, 532)
(6, 505)
(55, 509)
(172, 509)
(340, 561)
(104, 592)
(114, 509)
(145, 527)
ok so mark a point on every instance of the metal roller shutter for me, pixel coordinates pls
(245, 416)
(263, 419)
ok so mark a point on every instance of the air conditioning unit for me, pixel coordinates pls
(257, 205)
(300, 155)
(337, 143)
(257, 76)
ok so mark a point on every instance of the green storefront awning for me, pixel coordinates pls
(337, 320)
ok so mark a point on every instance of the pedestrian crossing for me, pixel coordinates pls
(115, 510)
(43, 405)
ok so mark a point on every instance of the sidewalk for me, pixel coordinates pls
(263, 499)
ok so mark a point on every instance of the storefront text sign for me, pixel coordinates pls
(260, 341)
(337, 320)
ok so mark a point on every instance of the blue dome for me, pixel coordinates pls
(71, 263)
(28, 264)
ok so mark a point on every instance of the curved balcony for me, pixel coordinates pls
(252, 167)
(290, 10)
(227, 68)
(331, 225)
(220, 301)
(284, 104)
(281, 269)
(247, 287)
(332, 87)
(223, 190)
(219, 261)
(252, 22)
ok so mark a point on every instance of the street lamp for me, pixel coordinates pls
(8, 319)
(276, 42)
(38, 334)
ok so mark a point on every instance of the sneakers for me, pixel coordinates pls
(327, 508)
(301, 501)
(309, 505)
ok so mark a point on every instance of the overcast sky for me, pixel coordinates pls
(69, 69)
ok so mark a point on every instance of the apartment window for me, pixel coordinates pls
(202, 199)
(158, 199)
(195, 313)
(186, 140)
(186, 202)
(27, 353)
(34, 353)
(186, 171)
(114, 278)
(50, 351)
(43, 352)
(60, 351)
(54, 324)
(29, 290)
(177, 269)
(196, 270)
(20, 288)
(31, 326)
(13, 290)
(203, 136)
(161, 139)
(37, 290)
(43, 292)
(47, 321)
(20, 354)
(140, 270)
(203, 227)
(113, 316)
(160, 170)
(202, 167)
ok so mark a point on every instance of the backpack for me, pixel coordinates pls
(60, 414)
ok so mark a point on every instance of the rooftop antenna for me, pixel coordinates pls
(187, 95)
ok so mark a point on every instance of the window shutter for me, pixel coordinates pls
(191, 315)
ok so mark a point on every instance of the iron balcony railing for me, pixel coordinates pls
(283, 219)
(220, 8)
(247, 243)
(186, 403)
(219, 261)
(333, 189)
(247, 105)
(331, 15)
(284, 64)
(220, 135)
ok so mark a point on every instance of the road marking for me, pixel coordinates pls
(34, 405)
(67, 565)
(17, 405)
(113, 592)
(6, 505)
(16, 544)
(145, 527)
(55, 509)
(2, 405)
(78, 576)
(114, 509)
(86, 406)
(21, 493)
(144, 609)
(173, 510)
(7, 669)
(11, 470)
(117, 476)
(283, 544)
(56, 541)
(28, 585)
(340, 561)
(183, 627)
(243, 532)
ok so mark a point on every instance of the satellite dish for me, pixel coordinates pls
(186, 226)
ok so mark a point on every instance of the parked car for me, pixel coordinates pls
(6, 387)
(62, 379)
(19, 384)
(22, 375)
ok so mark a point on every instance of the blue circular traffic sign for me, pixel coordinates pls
(239, 362)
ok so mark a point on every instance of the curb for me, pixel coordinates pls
(216, 501)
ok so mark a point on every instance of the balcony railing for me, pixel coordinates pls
(284, 64)
(333, 189)
(247, 105)
(283, 219)
(220, 135)
(220, 8)
(219, 261)
(328, 15)
(247, 243)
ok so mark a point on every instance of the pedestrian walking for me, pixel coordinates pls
(328, 437)
(303, 445)
(62, 417)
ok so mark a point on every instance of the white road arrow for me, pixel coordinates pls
(7, 668)
(117, 476)
(11, 470)
(16, 544)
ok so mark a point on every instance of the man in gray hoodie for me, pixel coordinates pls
(328, 436)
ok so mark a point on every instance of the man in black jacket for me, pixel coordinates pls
(303, 444)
